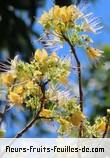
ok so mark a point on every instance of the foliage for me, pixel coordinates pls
(15, 34)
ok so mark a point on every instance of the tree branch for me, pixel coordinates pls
(106, 127)
(79, 80)
(78, 70)
(36, 117)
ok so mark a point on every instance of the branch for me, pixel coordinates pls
(78, 70)
(80, 130)
(29, 125)
(79, 80)
(46, 118)
(106, 128)
(36, 117)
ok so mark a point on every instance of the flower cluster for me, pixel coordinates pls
(24, 85)
(70, 23)
(60, 18)
(24, 81)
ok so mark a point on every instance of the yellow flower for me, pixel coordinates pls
(100, 127)
(63, 79)
(58, 16)
(15, 98)
(8, 78)
(64, 16)
(74, 12)
(71, 13)
(37, 74)
(44, 19)
(86, 27)
(41, 55)
(55, 12)
(76, 118)
(46, 113)
(94, 53)
(30, 85)
(63, 122)
(65, 126)
(19, 90)
(54, 57)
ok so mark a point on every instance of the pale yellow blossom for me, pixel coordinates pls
(44, 19)
(19, 90)
(54, 57)
(46, 113)
(100, 125)
(76, 118)
(8, 78)
(15, 98)
(94, 53)
(41, 55)
(63, 79)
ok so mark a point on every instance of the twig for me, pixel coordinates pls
(78, 70)
(29, 125)
(79, 80)
(4, 152)
(36, 117)
(106, 128)
(80, 130)
(46, 118)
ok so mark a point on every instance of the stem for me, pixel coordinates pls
(79, 80)
(80, 130)
(106, 128)
(79, 77)
(36, 117)
(78, 70)
(29, 125)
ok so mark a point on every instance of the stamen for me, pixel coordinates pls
(4, 70)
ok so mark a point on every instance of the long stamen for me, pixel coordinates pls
(8, 62)
(4, 70)
(4, 65)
